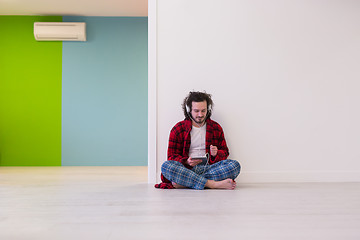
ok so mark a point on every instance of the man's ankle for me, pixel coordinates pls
(209, 183)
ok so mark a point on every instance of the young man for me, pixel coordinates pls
(195, 136)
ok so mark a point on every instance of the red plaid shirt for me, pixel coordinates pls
(180, 140)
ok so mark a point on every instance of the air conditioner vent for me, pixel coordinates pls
(60, 31)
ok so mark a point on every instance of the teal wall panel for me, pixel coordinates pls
(104, 93)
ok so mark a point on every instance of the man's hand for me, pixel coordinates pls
(213, 150)
(193, 162)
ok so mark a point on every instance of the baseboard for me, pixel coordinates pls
(286, 177)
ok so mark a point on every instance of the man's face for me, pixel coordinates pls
(199, 111)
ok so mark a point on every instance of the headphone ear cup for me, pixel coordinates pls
(187, 108)
(209, 108)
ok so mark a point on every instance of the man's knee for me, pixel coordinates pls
(165, 166)
(235, 166)
(168, 165)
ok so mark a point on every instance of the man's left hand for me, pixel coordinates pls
(213, 150)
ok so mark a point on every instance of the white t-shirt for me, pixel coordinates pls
(197, 146)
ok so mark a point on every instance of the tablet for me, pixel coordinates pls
(203, 158)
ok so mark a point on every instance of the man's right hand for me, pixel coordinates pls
(193, 162)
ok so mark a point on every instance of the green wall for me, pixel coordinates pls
(30, 94)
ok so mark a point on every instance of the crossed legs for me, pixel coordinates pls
(220, 175)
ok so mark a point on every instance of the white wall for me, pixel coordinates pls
(284, 76)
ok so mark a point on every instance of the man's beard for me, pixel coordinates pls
(200, 120)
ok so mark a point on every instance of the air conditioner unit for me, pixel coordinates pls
(60, 31)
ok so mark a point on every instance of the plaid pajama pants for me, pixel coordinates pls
(197, 176)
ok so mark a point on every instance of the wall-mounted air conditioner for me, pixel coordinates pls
(60, 31)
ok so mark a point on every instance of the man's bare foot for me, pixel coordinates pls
(175, 185)
(224, 184)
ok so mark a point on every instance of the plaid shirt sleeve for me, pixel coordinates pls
(179, 142)
(215, 136)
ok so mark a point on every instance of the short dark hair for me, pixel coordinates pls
(197, 97)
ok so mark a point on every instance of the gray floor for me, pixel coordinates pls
(117, 203)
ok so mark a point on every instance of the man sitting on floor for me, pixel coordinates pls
(196, 136)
